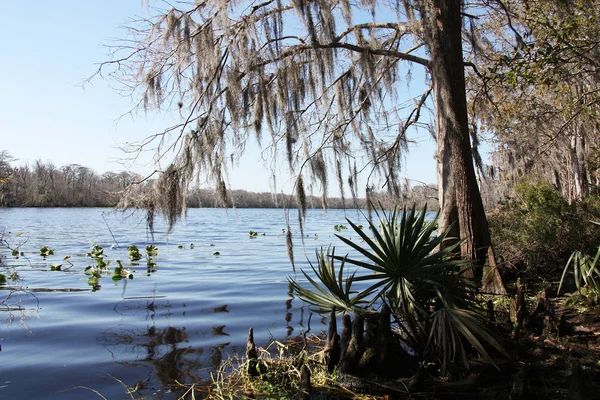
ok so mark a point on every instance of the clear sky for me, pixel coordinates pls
(49, 48)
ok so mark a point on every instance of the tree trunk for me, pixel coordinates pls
(459, 192)
(575, 168)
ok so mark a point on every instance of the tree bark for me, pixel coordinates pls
(459, 193)
(575, 168)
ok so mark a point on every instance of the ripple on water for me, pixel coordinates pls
(176, 321)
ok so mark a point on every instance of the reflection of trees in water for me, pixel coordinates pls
(164, 348)
(289, 312)
(168, 359)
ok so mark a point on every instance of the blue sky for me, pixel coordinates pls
(49, 48)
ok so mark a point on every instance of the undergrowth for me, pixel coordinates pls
(536, 231)
(280, 378)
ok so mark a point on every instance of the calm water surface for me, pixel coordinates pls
(61, 339)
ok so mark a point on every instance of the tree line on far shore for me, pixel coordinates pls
(45, 185)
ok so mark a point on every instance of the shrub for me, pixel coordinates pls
(535, 232)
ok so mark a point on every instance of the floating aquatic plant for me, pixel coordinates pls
(340, 228)
(134, 253)
(46, 251)
(151, 250)
(121, 272)
(96, 251)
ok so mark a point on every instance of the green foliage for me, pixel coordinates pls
(96, 251)
(151, 250)
(95, 273)
(134, 253)
(535, 232)
(405, 266)
(120, 272)
(99, 268)
(46, 251)
(334, 289)
(340, 228)
(585, 271)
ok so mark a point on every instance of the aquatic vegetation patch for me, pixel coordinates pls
(96, 251)
(45, 251)
(134, 253)
(151, 250)
(121, 272)
(340, 228)
(99, 268)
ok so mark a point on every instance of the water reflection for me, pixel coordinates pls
(176, 321)
(165, 349)
(218, 331)
(172, 352)
(172, 363)
(288, 309)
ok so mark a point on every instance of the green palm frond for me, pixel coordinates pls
(331, 288)
(417, 274)
(406, 258)
(450, 327)
(585, 271)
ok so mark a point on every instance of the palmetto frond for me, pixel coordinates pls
(585, 271)
(331, 288)
(417, 275)
(407, 259)
(450, 327)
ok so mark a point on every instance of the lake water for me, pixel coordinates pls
(62, 338)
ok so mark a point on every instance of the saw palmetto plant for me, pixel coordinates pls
(586, 271)
(331, 288)
(405, 264)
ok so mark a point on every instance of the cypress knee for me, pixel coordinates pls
(305, 382)
(251, 354)
(387, 358)
(356, 347)
(371, 330)
(332, 347)
(518, 311)
(345, 340)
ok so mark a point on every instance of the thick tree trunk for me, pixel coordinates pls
(459, 192)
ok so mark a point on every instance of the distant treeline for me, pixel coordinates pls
(45, 185)
(245, 199)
